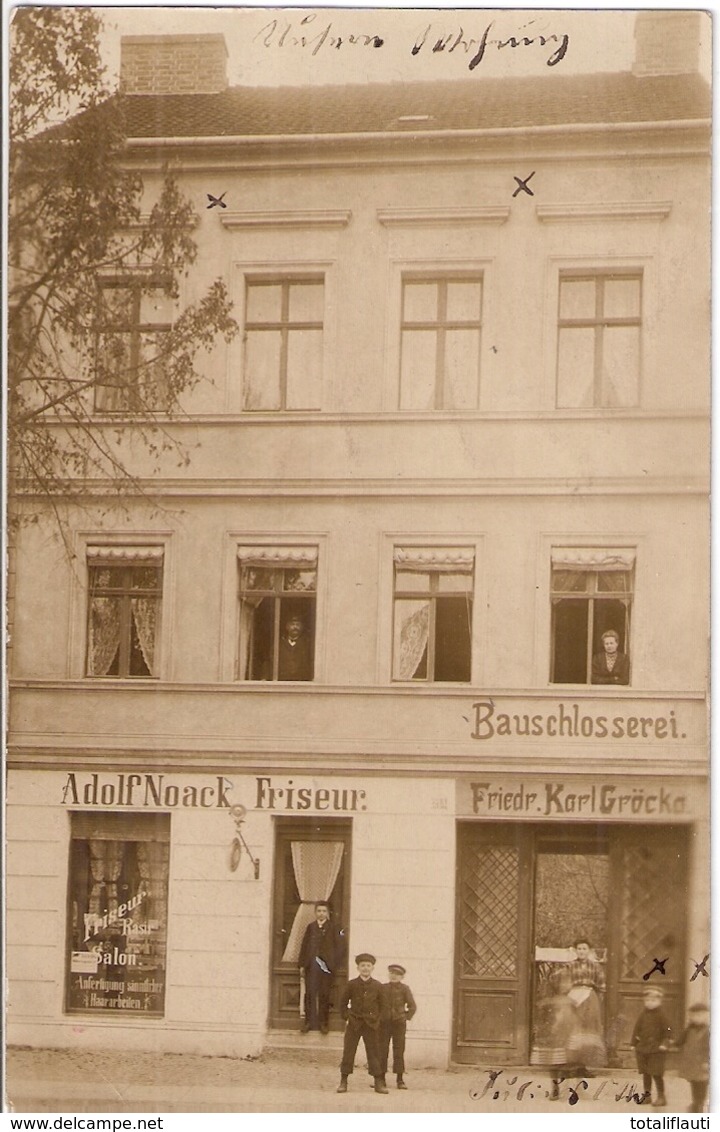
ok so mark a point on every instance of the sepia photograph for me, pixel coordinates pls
(358, 382)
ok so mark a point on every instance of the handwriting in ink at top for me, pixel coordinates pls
(288, 33)
(659, 966)
(456, 40)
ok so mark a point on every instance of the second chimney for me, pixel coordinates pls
(173, 64)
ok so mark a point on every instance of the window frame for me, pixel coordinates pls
(276, 593)
(284, 279)
(125, 593)
(591, 594)
(440, 327)
(398, 543)
(125, 392)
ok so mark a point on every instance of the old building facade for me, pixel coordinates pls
(354, 650)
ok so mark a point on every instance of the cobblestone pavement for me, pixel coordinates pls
(302, 1080)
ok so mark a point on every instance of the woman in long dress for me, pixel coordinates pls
(585, 1044)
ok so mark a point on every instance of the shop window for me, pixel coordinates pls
(591, 597)
(278, 595)
(440, 342)
(432, 615)
(133, 320)
(599, 324)
(117, 915)
(284, 343)
(125, 594)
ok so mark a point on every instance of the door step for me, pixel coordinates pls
(294, 1039)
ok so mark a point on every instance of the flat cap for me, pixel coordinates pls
(396, 968)
(365, 957)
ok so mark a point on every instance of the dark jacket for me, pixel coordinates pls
(652, 1030)
(694, 1046)
(362, 1002)
(326, 943)
(619, 675)
(398, 1002)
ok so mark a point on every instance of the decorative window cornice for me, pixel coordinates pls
(298, 218)
(442, 217)
(613, 210)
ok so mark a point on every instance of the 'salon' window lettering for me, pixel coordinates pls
(284, 343)
(599, 323)
(440, 342)
(278, 593)
(591, 595)
(432, 616)
(125, 595)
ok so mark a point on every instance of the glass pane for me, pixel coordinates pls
(114, 355)
(118, 921)
(151, 382)
(576, 368)
(304, 369)
(621, 298)
(461, 369)
(620, 365)
(417, 370)
(256, 578)
(306, 302)
(464, 299)
(144, 578)
(420, 302)
(118, 303)
(570, 581)
(299, 580)
(156, 307)
(258, 624)
(410, 639)
(107, 577)
(453, 636)
(413, 581)
(614, 581)
(577, 298)
(570, 641)
(262, 369)
(264, 302)
(143, 631)
(455, 583)
(104, 636)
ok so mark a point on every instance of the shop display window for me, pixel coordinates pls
(284, 343)
(591, 594)
(117, 913)
(278, 595)
(432, 615)
(440, 342)
(125, 595)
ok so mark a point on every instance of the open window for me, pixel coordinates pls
(278, 598)
(432, 615)
(124, 606)
(591, 596)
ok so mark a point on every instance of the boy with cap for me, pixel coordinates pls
(361, 1006)
(398, 1008)
(651, 1039)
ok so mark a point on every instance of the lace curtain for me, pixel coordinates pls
(104, 634)
(414, 632)
(106, 859)
(144, 614)
(316, 865)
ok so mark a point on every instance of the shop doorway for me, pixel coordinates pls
(525, 893)
(312, 862)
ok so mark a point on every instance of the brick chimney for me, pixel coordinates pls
(667, 42)
(173, 64)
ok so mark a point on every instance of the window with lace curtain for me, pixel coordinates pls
(591, 595)
(124, 603)
(117, 913)
(432, 616)
(278, 595)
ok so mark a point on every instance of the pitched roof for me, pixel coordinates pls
(475, 104)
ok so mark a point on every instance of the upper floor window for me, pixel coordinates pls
(132, 326)
(599, 322)
(125, 595)
(284, 343)
(592, 593)
(432, 616)
(278, 597)
(440, 342)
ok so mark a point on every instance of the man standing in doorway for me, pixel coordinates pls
(321, 954)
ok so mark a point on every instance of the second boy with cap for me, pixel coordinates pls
(398, 1008)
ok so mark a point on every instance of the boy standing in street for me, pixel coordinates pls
(361, 1006)
(651, 1039)
(398, 1008)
